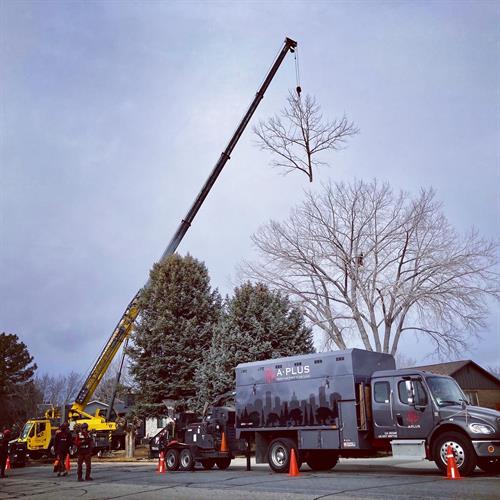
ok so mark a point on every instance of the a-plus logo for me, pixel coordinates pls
(413, 417)
(269, 375)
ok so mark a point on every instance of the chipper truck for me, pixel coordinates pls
(350, 403)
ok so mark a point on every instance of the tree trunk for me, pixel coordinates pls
(130, 444)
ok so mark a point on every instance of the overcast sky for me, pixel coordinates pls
(114, 113)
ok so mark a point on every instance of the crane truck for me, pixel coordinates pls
(351, 403)
(36, 438)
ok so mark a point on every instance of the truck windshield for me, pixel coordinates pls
(26, 430)
(446, 391)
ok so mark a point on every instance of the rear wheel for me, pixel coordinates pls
(208, 463)
(322, 461)
(223, 463)
(186, 459)
(463, 451)
(279, 454)
(491, 465)
(172, 459)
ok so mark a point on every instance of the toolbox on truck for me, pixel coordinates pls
(319, 395)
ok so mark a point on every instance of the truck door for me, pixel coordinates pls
(384, 425)
(30, 434)
(41, 436)
(411, 408)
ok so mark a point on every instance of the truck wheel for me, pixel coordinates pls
(208, 463)
(223, 463)
(186, 459)
(172, 459)
(491, 465)
(463, 450)
(279, 453)
(322, 461)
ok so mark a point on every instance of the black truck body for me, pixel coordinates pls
(350, 403)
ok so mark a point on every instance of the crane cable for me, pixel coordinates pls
(297, 71)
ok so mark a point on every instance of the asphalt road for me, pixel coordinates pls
(360, 478)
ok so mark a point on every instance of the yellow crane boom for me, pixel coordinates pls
(125, 325)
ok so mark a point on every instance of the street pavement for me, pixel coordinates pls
(355, 478)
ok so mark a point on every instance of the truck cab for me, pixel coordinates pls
(421, 414)
(36, 437)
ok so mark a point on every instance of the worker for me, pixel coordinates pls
(62, 444)
(84, 445)
(4, 450)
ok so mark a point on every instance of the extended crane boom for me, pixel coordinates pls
(124, 326)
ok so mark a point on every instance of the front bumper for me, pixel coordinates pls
(487, 448)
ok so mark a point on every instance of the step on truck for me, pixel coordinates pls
(355, 403)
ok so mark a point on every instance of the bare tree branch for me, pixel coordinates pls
(299, 133)
(364, 261)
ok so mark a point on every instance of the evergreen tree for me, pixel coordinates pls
(178, 314)
(256, 324)
(16, 384)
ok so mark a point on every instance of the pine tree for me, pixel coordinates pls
(178, 313)
(17, 393)
(257, 323)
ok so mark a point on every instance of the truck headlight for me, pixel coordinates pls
(481, 429)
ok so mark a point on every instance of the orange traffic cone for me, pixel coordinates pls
(7, 464)
(223, 446)
(452, 465)
(162, 468)
(294, 469)
(67, 464)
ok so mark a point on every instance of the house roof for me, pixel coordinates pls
(119, 406)
(453, 367)
(445, 368)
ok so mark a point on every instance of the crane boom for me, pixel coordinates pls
(124, 326)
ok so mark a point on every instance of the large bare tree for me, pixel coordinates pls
(370, 264)
(299, 133)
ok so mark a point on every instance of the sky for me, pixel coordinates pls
(113, 114)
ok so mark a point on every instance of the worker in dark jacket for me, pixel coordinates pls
(84, 445)
(4, 450)
(62, 444)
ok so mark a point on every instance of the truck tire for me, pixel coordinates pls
(279, 453)
(322, 460)
(172, 459)
(223, 463)
(463, 450)
(186, 459)
(208, 463)
(491, 465)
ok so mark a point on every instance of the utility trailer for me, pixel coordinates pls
(210, 441)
